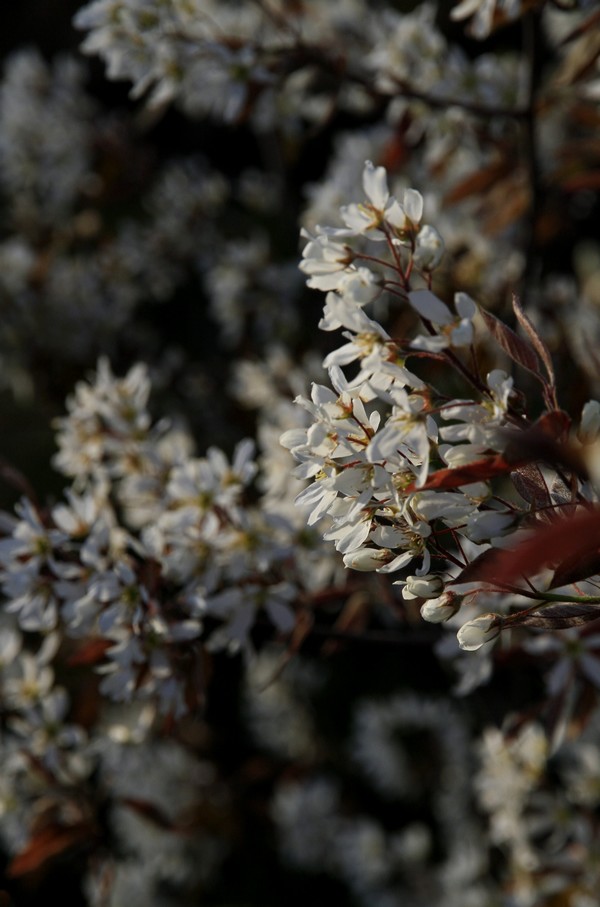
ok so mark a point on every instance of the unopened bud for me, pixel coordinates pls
(440, 609)
(475, 633)
(428, 586)
(367, 559)
(429, 249)
(589, 429)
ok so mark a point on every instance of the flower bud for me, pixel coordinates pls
(475, 633)
(437, 610)
(589, 429)
(428, 586)
(367, 559)
(429, 249)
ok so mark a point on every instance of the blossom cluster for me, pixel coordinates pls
(300, 586)
(376, 439)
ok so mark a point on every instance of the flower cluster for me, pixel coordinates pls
(290, 612)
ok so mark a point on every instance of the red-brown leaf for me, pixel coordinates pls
(536, 341)
(579, 567)
(556, 617)
(553, 545)
(477, 471)
(478, 182)
(480, 569)
(91, 652)
(514, 346)
(47, 844)
(149, 811)
(531, 485)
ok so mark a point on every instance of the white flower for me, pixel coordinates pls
(454, 331)
(367, 559)
(487, 524)
(428, 306)
(429, 248)
(475, 633)
(437, 610)
(412, 202)
(589, 427)
(325, 261)
(375, 185)
(427, 586)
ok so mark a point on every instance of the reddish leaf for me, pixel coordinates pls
(531, 485)
(506, 203)
(555, 424)
(477, 182)
(394, 153)
(481, 569)
(90, 652)
(477, 471)
(556, 617)
(51, 842)
(536, 341)
(588, 179)
(514, 346)
(577, 568)
(545, 440)
(149, 811)
(590, 23)
(552, 545)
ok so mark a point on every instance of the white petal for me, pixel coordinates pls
(413, 205)
(475, 633)
(375, 185)
(427, 305)
(464, 305)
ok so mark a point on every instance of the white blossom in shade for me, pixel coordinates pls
(11, 642)
(510, 769)
(344, 307)
(60, 746)
(306, 817)
(276, 704)
(251, 293)
(572, 653)
(380, 208)
(405, 437)
(31, 542)
(428, 306)
(32, 598)
(45, 138)
(171, 779)
(237, 607)
(482, 14)
(477, 632)
(363, 855)
(381, 745)
(406, 44)
(29, 683)
(326, 262)
(429, 249)
(452, 330)
(581, 771)
(79, 515)
(370, 215)
(487, 524)
(121, 671)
